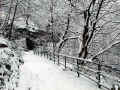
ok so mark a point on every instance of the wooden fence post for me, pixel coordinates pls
(65, 62)
(78, 68)
(42, 51)
(113, 87)
(54, 57)
(50, 56)
(39, 50)
(58, 60)
(99, 75)
(35, 51)
(47, 55)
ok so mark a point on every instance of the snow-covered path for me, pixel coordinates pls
(40, 74)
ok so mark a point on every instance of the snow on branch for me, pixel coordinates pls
(73, 38)
(104, 50)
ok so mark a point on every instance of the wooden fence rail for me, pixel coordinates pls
(95, 74)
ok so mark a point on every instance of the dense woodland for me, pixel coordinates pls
(80, 27)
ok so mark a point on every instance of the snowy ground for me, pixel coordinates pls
(38, 73)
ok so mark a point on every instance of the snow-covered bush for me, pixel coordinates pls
(10, 61)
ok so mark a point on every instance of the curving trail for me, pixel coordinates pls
(40, 74)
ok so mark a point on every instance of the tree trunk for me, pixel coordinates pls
(88, 33)
(11, 25)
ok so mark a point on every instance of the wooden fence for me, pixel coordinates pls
(98, 72)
